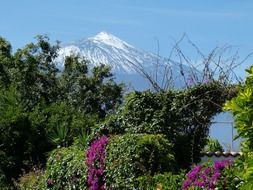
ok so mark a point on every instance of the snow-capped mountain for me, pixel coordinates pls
(122, 57)
(108, 49)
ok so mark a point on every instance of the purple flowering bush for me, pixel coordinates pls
(95, 161)
(208, 176)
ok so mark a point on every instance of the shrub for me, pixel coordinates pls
(219, 175)
(65, 170)
(242, 109)
(183, 116)
(30, 181)
(130, 156)
(166, 181)
(95, 162)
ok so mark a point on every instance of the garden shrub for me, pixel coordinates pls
(166, 181)
(218, 175)
(183, 116)
(242, 109)
(65, 169)
(130, 156)
(30, 180)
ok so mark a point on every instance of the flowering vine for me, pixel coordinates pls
(206, 177)
(95, 162)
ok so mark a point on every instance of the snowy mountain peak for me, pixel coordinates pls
(109, 39)
(104, 36)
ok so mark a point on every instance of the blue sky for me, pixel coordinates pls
(141, 23)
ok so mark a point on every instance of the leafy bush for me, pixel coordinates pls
(130, 156)
(242, 109)
(219, 175)
(166, 181)
(30, 181)
(182, 116)
(65, 169)
(95, 162)
(245, 164)
(61, 122)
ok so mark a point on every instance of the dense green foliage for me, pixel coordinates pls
(133, 155)
(242, 108)
(17, 136)
(42, 108)
(166, 181)
(65, 170)
(182, 116)
(91, 90)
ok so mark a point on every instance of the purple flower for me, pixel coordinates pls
(220, 165)
(95, 161)
(206, 177)
(207, 171)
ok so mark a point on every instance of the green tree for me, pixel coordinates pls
(91, 90)
(5, 62)
(35, 73)
(16, 135)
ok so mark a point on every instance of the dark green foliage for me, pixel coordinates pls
(133, 155)
(182, 116)
(61, 122)
(93, 92)
(35, 73)
(166, 181)
(5, 62)
(17, 136)
(65, 169)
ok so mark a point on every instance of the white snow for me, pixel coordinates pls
(110, 40)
